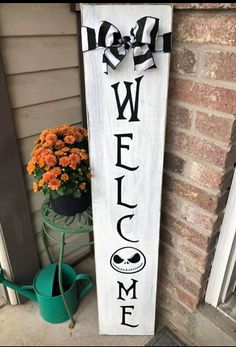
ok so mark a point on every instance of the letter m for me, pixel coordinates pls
(128, 99)
(132, 287)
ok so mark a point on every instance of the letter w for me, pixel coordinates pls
(128, 98)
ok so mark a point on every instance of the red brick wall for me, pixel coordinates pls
(200, 153)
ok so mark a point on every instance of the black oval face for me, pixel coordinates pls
(128, 260)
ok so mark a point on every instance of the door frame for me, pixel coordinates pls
(223, 255)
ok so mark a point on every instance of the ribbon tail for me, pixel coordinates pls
(163, 43)
(143, 58)
(88, 36)
(104, 64)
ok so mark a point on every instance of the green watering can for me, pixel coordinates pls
(45, 291)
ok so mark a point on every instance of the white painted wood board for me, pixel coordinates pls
(142, 186)
(223, 262)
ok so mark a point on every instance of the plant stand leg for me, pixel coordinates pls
(72, 324)
(46, 243)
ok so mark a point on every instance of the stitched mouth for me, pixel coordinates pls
(130, 270)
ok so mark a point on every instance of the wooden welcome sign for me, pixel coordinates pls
(126, 82)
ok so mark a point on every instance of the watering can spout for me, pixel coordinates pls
(27, 291)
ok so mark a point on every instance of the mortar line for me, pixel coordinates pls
(204, 80)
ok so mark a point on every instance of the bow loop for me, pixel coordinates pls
(146, 30)
(109, 35)
(143, 39)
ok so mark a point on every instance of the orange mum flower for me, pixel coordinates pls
(64, 126)
(35, 187)
(45, 151)
(74, 158)
(50, 160)
(75, 150)
(83, 154)
(34, 159)
(83, 132)
(69, 139)
(43, 135)
(41, 162)
(48, 144)
(73, 165)
(37, 151)
(41, 182)
(64, 177)
(59, 144)
(47, 176)
(52, 152)
(82, 186)
(65, 149)
(72, 131)
(89, 175)
(64, 161)
(54, 183)
(59, 153)
(30, 167)
(79, 137)
(56, 171)
(51, 137)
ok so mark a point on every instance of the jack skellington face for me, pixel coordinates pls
(128, 260)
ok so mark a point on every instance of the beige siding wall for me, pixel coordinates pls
(39, 52)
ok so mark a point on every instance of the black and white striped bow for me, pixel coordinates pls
(143, 38)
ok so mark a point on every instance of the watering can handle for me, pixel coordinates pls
(87, 287)
(28, 287)
(2, 278)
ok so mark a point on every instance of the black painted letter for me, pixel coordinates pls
(119, 202)
(124, 313)
(130, 216)
(119, 146)
(128, 98)
(132, 287)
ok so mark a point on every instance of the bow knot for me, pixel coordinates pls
(143, 38)
(127, 42)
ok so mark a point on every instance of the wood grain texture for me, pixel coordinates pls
(143, 186)
(30, 54)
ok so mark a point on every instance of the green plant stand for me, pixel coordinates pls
(80, 223)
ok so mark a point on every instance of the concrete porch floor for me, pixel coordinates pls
(22, 325)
